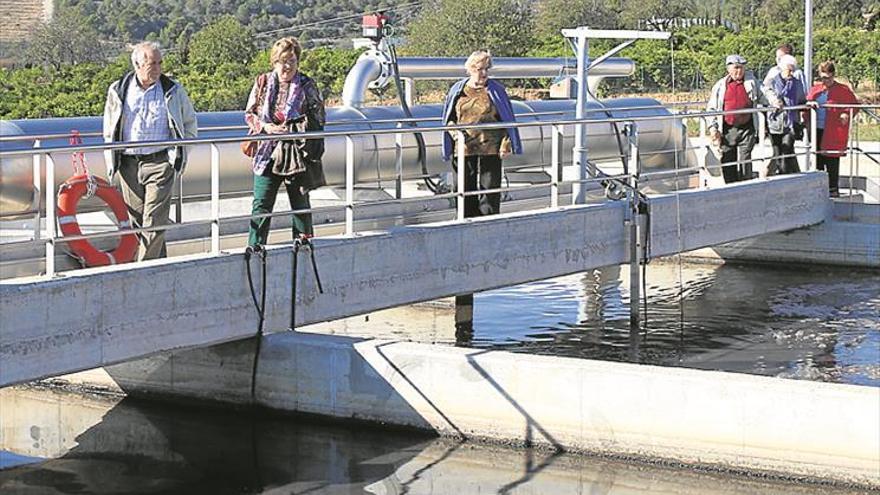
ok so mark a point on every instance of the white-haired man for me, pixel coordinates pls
(735, 133)
(146, 105)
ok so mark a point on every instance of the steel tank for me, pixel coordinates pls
(375, 156)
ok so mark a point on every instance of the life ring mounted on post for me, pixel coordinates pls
(69, 195)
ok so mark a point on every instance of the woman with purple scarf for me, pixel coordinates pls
(281, 102)
(784, 126)
(479, 100)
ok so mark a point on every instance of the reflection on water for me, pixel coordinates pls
(77, 444)
(808, 324)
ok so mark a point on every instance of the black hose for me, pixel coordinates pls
(260, 306)
(299, 243)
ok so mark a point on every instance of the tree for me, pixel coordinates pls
(553, 15)
(224, 41)
(458, 27)
(67, 39)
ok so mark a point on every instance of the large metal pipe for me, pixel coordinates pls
(375, 157)
(374, 69)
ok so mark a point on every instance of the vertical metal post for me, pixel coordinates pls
(459, 144)
(51, 226)
(635, 232)
(808, 42)
(578, 191)
(179, 205)
(37, 201)
(215, 199)
(555, 165)
(409, 91)
(398, 163)
(814, 146)
(349, 185)
(850, 149)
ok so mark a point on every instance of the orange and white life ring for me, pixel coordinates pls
(68, 198)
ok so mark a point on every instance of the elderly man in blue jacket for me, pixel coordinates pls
(480, 100)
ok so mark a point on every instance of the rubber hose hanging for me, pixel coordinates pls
(420, 140)
(299, 243)
(260, 306)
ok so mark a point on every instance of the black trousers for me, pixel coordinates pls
(481, 172)
(736, 145)
(830, 164)
(783, 144)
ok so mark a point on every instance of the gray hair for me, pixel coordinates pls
(137, 53)
(477, 57)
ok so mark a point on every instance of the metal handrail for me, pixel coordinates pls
(31, 137)
(372, 132)
(349, 204)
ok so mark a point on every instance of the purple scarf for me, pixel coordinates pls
(292, 111)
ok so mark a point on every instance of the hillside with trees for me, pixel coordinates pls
(217, 47)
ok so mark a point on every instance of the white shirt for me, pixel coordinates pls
(144, 117)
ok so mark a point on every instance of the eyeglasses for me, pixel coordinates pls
(825, 77)
(291, 62)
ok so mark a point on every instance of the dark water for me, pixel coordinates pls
(54, 442)
(815, 324)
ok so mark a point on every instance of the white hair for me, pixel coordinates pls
(478, 57)
(787, 61)
(137, 53)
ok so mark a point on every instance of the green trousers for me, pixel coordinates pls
(265, 191)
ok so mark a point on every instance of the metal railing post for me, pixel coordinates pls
(398, 163)
(349, 185)
(555, 163)
(849, 147)
(179, 204)
(814, 146)
(38, 191)
(215, 199)
(51, 226)
(459, 146)
(635, 231)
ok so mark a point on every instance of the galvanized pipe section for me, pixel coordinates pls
(374, 69)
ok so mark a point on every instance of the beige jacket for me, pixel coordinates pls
(181, 118)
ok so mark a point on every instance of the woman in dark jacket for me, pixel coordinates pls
(785, 127)
(480, 100)
(284, 101)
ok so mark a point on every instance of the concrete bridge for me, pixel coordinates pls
(97, 317)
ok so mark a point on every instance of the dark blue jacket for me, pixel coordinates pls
(498, 96)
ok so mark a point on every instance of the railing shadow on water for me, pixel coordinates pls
(46, 189)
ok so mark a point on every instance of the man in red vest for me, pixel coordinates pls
(735, 133)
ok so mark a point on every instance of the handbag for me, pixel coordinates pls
(249, 148)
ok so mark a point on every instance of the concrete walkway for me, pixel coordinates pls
(97, 317)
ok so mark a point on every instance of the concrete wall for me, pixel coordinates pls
(95, 317)
(713, 419)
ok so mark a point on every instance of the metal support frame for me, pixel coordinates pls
(581, 36)
(398, 163)
(636, 246)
